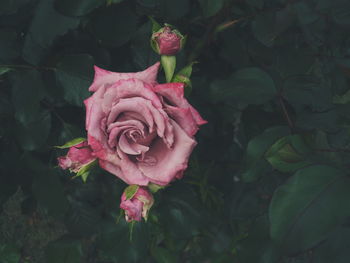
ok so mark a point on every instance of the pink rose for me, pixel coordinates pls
(77, 156)
(137, 206)
(168, 41)
(140, 130)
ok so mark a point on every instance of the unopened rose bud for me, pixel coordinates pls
(78, 156)
(167, 41)
(136, 201)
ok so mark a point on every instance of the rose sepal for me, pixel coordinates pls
(169, 65)
(85, 170)
(183, 76)
(71, 143)
(130, 191)
(288, 153)
(155, 25)
(155, 187)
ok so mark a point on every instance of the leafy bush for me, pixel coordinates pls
(268, 181)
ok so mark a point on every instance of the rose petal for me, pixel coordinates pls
(170, 162)
(144, 108)
(184, 118)
(64, 162)
(105, 77)
(137, 105)
(124, 169)
(131, 147)
(126, 123)
(174, 93)
(127, 89)
(116, 128)
(97, 147)
(94, 116)
(113, 135)
(81, 153)
(121, 167)
(133, 209)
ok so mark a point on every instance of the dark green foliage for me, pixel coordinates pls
(269, 179)
(73, 74)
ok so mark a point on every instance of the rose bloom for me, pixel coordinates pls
(77, 156)
(137, 206)
(168, 41)
(140, 130)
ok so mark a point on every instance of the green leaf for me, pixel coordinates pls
(25, 84)
(64, 250)
(130, 191)
(49, 193)
(180, 212)
(325, 121)
(114, 243)
(257, 240)
(77, 8)
(233, 46)
(9, 45)
(288, 154)
(110, 2)
(255, 164)
(308, 207)
(343, 99)
(256, 3)
(8, 7)
(307, 91)
(9, 253)
(162, 255)
(172, 10)
(263, 27)
(142, 53)
(85, 170)
(341, 13)
(114, 26)
(246, 86)
(71, 143)
(335, 249)
(4, 70)
(75, 74)
(292, 61)
(211, 7)
(46, 26)
(304, 13)
(34, 133)
(69, 131)
(82, 218)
